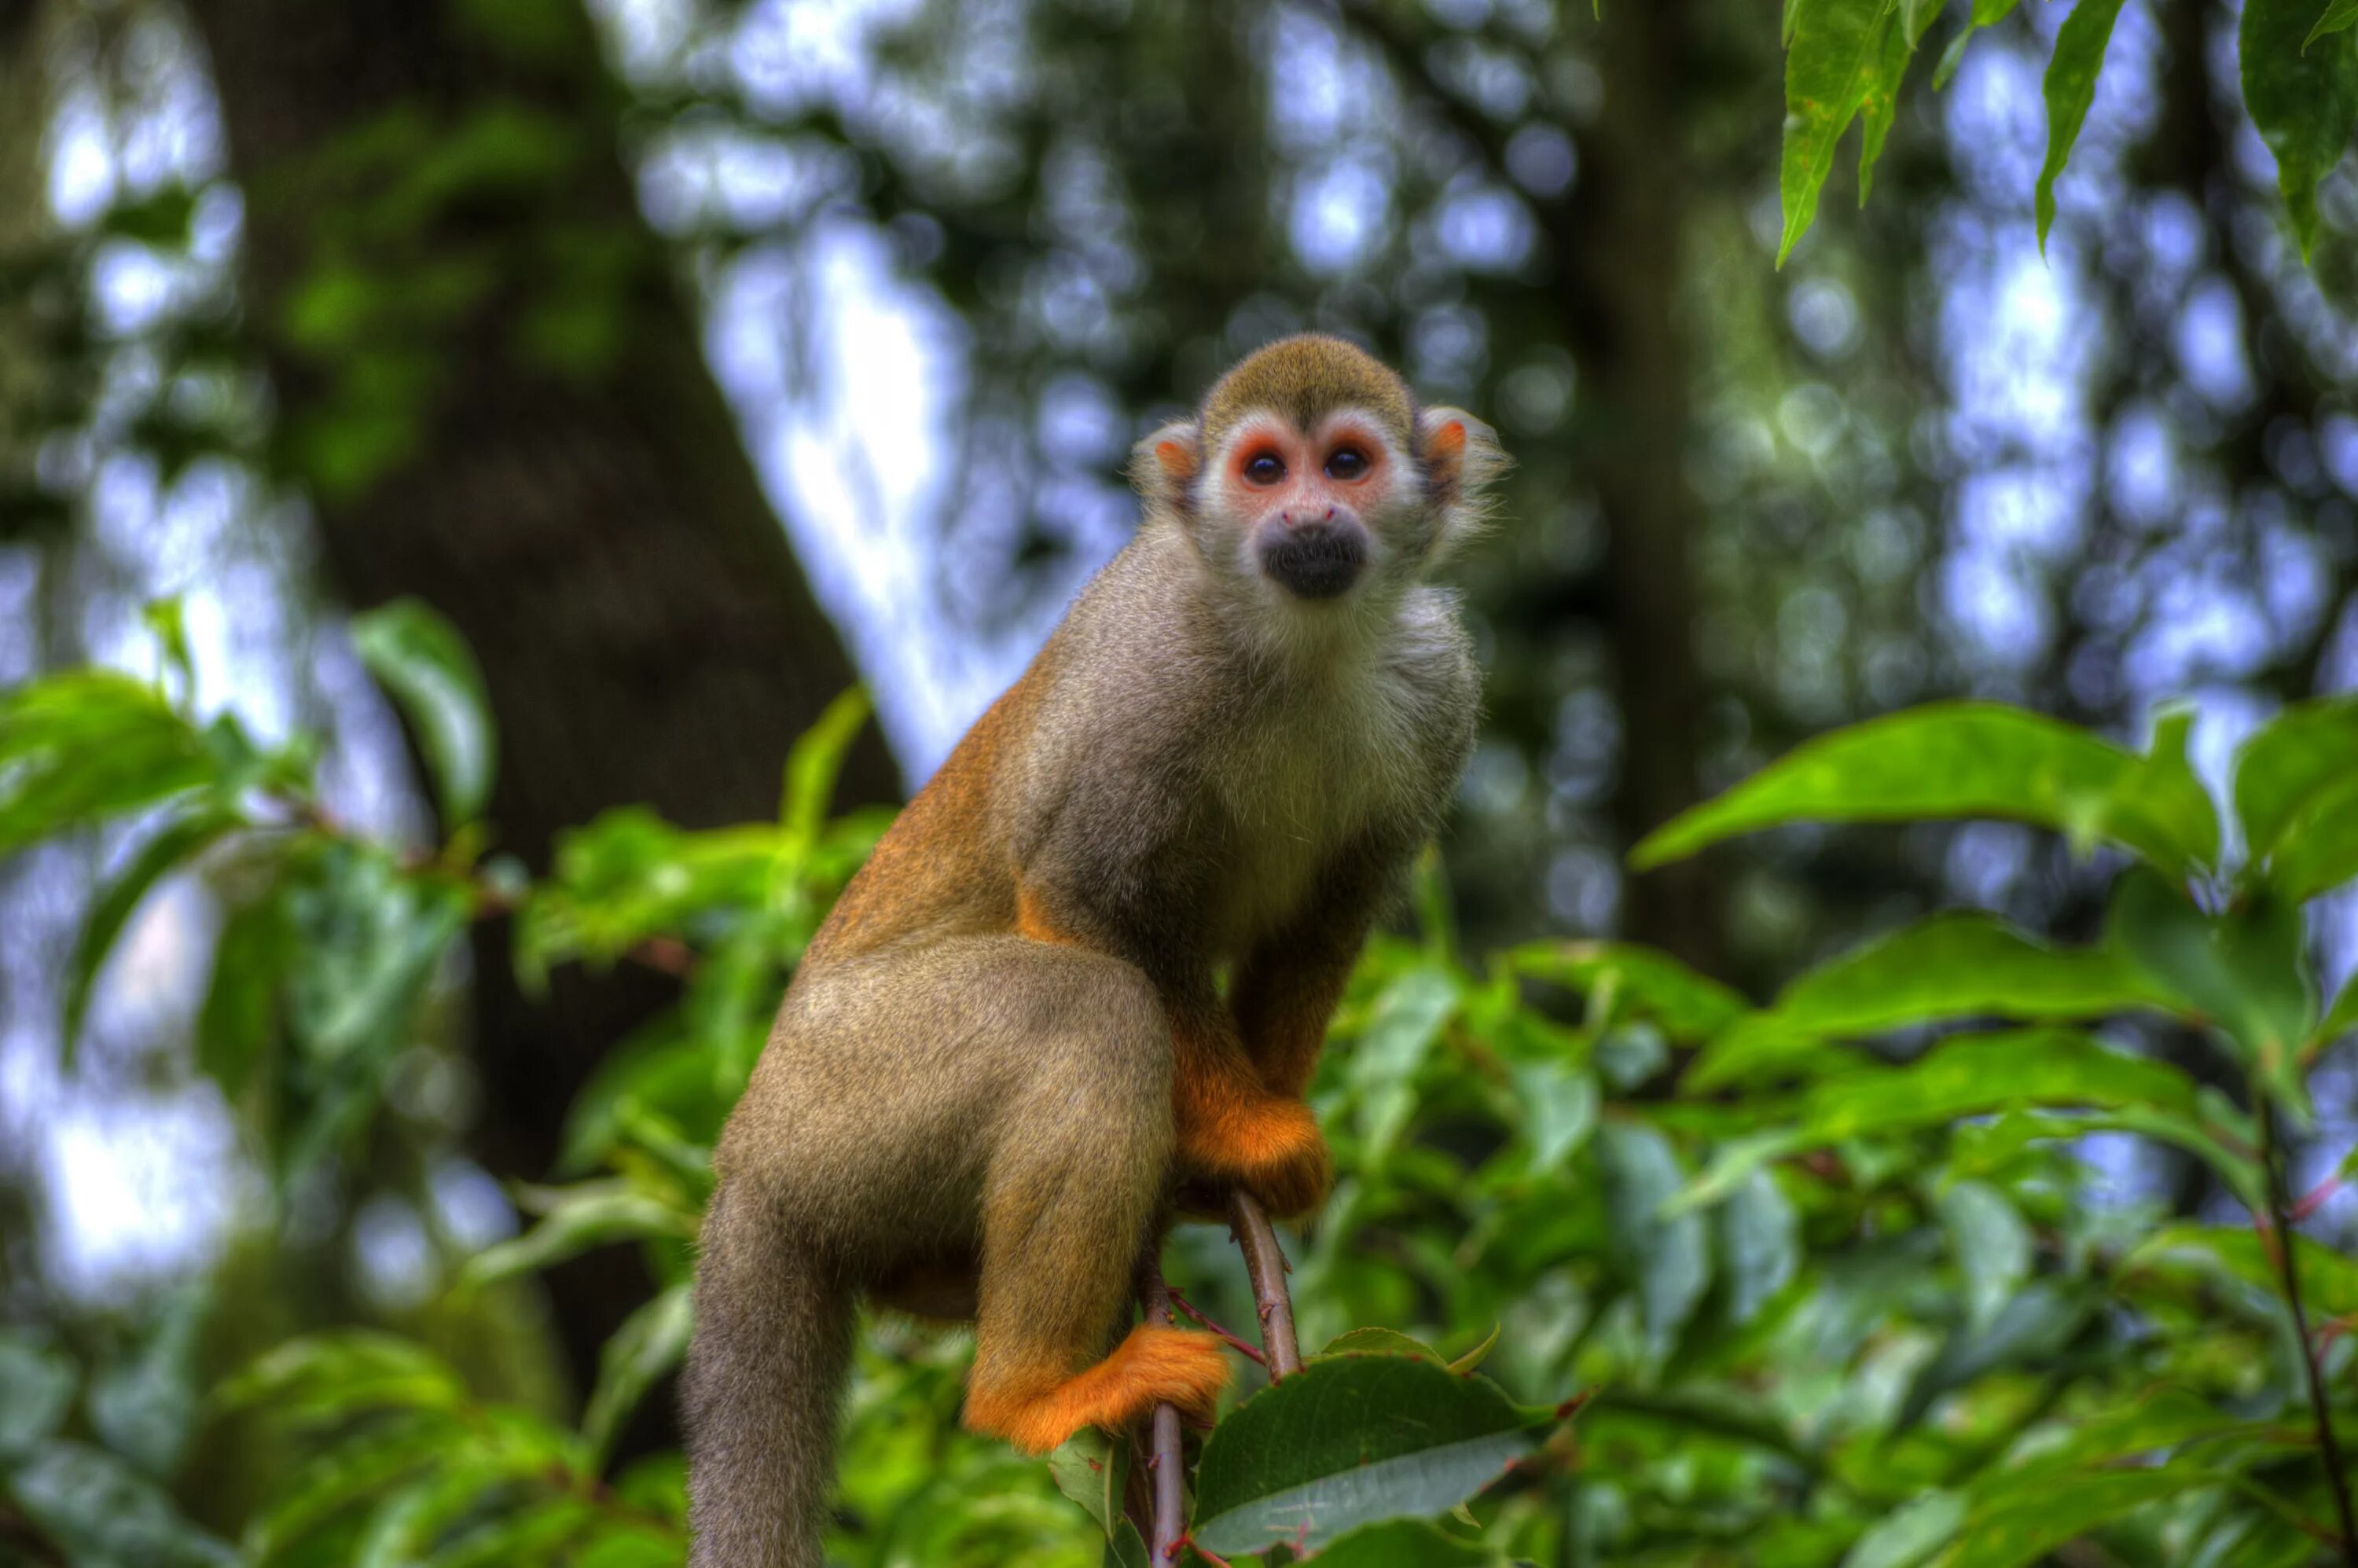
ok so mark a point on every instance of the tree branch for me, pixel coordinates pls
(1162, 1455)
(2329, 1447)
(1266, 1266)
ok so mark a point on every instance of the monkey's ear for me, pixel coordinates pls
(1462, 460)
(1163, 466)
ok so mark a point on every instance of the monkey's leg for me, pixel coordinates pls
(764, 1375)
(1070, 1202)
(1231, 1127)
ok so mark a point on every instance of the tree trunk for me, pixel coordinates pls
(497, 397)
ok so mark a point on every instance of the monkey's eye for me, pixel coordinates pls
(1266, 468)
(1346, 464)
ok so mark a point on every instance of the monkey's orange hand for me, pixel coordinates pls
(1234, 1131)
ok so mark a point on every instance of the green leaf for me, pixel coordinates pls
(40, 1381)
(1559, 1105)
(2322, 853)
(2071, 87)
(1831, 60)
(343, 1475)
(239, 1015)
(84, 745)
(327, 1377)
(2340, 1018)
(1968, 760)
(1409, 1017)
(2032, 1330)
(1351, 1442)
(426, 666)
(1667, 1256)
(2302, 91)
(1985, 14)
(180, 840)
(2245, 971)
(651, 1342)
(2024, 1530)
(1973, 1075)
(1991, 1244)
(2329, 1280)
(1092, 1468)
(1624, 980)
(2304, 753)
(1760, 1237)
(1962, 964)
(592, 1214)
(2162, 1418)
(1382, 1342)
(1880, 105)
(1128, 1549)
(2338, 16)
(1405, 1543)
(815, 761)
(1907, 1536)
(103, 1512)
(1916, 17)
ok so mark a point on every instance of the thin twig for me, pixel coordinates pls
(2288, 1263)
(1163, 1455)
(1266, 1267)
(1179, 1299)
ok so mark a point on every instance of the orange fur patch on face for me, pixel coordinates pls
(1153, 1366)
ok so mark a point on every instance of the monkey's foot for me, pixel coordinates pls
(1269, 1147)
(1153, 1366)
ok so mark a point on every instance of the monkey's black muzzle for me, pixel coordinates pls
(1316, 560)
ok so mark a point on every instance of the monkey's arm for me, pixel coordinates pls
(1286, 991)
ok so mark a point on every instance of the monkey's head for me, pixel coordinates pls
(1311, 476)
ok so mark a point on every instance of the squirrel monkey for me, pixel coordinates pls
(1008, 1045)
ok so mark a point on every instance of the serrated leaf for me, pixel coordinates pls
(1408, 1016)
(178, 842)
(1908, 1535)
(1967, 760)
(1880, 106)
(651, 1342)
(1667, 1256)
(1636, 982)
(1961, 964)
(1985, 14)
(2031, 1330)
(2307, 751)
(2340, 1018)
(40, 1382)
(1347, 1443)
(2070, 88)
(2024, 1530)
(2245, 971)
(2329, 1280)
(1760, 1244)
(240, 1013)
(102, 1511)
(2302, 91)
(1965, 1075)
(2338, 16)
(591, 1215)
(1091, 1467)
(1382, 1342)
(1406, 1543)
(1991, 1244)
(426, 665)
(85, 745)
(1831, 56)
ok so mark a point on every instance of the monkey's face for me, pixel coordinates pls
(1305, 509)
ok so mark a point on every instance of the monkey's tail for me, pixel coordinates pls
(764, 1382)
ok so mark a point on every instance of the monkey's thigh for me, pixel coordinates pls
(981, 1109)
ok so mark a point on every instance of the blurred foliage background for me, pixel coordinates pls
(697, 359)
